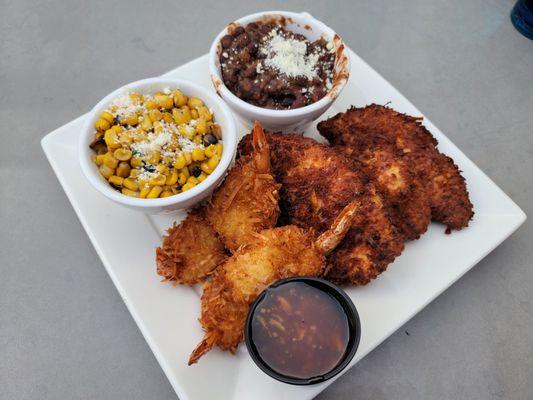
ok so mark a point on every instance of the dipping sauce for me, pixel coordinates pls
(269, 66)
(299, 330)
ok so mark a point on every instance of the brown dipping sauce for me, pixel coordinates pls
(299, 330)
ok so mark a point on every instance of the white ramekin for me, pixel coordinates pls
(283, 120)
(181, 201)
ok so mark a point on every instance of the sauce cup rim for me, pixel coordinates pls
(353, 321)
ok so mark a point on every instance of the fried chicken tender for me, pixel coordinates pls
(391, 171)
(248, 200)
(317, 183)
(436, 175)
(274, 254)
(246, 203)
(190, 250)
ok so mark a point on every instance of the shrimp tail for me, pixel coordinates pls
(261, 155)
(330, 239)
(203, 347)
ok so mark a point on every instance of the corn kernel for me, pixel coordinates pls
(117, 128)
(130, 184)
(154, 192)
(110, 160)
(162, 169)
(116, 180)
(197, 139)
(193, 180)
(155, 115)
(146, 123)
(136, 97)
(188, 158)
(202, 177)
(122, 154)
(213, 162)
(150, 105)
(186, 172)
(129, 192)
(106, 171)
(158, 180)
(154, 157)
(123, 169)
(136, 162)
(182, 178)
(163, 101)
(180, 162)
(172, 178)
(125, 139)
(220, 147)
(195, 102)
(131, 119)
(179, 98)
(99, 159)
(204, 167)
(134, 173)
(204, 113)
(210, 150)
(198, 154)
(111, 139)
(167, 117)
(187, 186)
(102, 124)
(194, 113)
(144, 192)
(166, 193)
(201, 126)
(107, 116)
(180, 116)
(187, 131)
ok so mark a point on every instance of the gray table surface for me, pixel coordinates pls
(64, 330)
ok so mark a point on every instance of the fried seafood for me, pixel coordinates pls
(389, 168)
(246, 203)
(274, 254)
(190, 250)
(436, 175)
(317, 183)
(248, 200)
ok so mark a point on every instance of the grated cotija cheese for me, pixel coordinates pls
(124, 105)
(289, 56)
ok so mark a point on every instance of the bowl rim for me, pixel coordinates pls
(349, 309)
(223, 91)
(229, 140)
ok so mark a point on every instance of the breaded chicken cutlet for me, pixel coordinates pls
(390, 170)
(397, 149)
(317, 182)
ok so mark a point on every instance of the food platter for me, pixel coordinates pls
(167, 315)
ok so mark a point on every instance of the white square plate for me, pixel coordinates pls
(167, 315)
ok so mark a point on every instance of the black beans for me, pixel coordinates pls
(196, 171)
(210, 139)
(246, 74)
(226, 41)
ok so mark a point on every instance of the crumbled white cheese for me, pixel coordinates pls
(188, 145)
(147, 175)
(289, 56)
(124, 106)
(166, 90)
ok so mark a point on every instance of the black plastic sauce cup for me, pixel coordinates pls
(354, 326)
